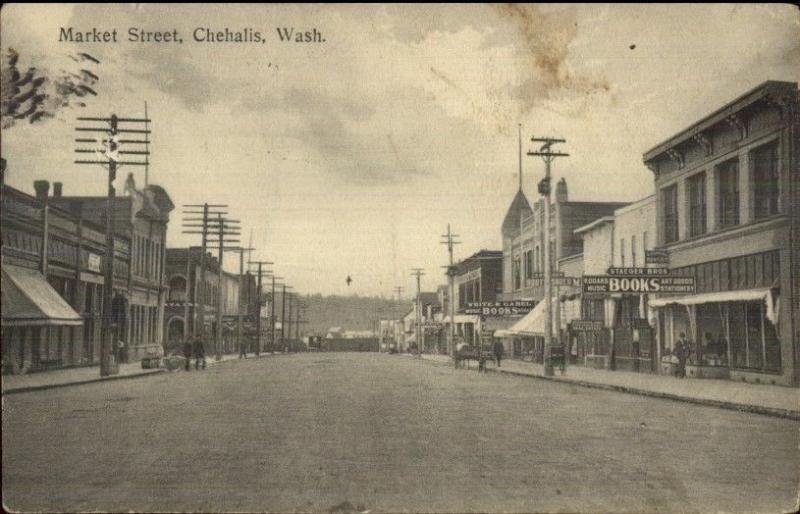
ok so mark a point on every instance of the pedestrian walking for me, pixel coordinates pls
(498, 352)
(243, 350)
(187, 354)
(199, 353)
(681, 352)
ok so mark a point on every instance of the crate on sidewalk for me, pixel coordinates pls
(151, 362)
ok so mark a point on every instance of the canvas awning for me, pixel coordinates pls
(29, 300)
(744, 295)
(531, 325)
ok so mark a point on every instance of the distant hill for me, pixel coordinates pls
(348, 312)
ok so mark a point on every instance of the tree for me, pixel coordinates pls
(36, 94)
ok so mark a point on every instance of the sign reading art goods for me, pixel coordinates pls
(500, 308)
(605, 284)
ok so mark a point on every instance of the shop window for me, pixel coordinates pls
(753, 339)
(728, 175)
(764, 166)
(670, 200)
(697, 204)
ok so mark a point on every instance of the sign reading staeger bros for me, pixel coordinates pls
(606, 284)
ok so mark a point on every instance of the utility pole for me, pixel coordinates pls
(272, 314)
(224, 228)
(289, 327)
(449, 240)
(108, 155)
(241, 302)
(260, 272)
(548, 156)
(283, 315)
(300, 306)
(418, 272)
(203, 227)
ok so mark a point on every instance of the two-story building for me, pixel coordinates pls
(142, 216)
(523, 238)
(725, 205)
(53, 259)
(625, 340)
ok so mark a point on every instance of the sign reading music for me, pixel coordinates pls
(604, 284)
(500, 308)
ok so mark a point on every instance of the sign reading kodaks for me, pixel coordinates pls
(504, 308)
(605, 284)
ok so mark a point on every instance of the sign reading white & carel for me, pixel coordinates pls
(604, 284)
(500, 308)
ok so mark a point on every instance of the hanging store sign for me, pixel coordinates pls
(94, 262)
(558, 281)
(606, 284)
(660, 257)
(500, 308)
(586, 325)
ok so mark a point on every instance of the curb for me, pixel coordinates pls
(739, 407)
(26, 389)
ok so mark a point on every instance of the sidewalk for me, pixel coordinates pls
(89, 374)
(769, 400)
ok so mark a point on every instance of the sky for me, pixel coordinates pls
(349, 157)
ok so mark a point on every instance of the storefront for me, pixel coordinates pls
(526, 337)
(727, 332)
(37, 323)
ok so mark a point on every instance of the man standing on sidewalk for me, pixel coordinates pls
(498, 351)
(243, 350)
(199, 353)
(187, 354)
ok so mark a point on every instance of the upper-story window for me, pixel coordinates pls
(517, 277)
(697, 204)
(622, 252)
(670, 200)
(728, 175)
(633, 251)
(529, 264)
(764, 163)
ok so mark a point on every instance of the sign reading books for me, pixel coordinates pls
(605, 284)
